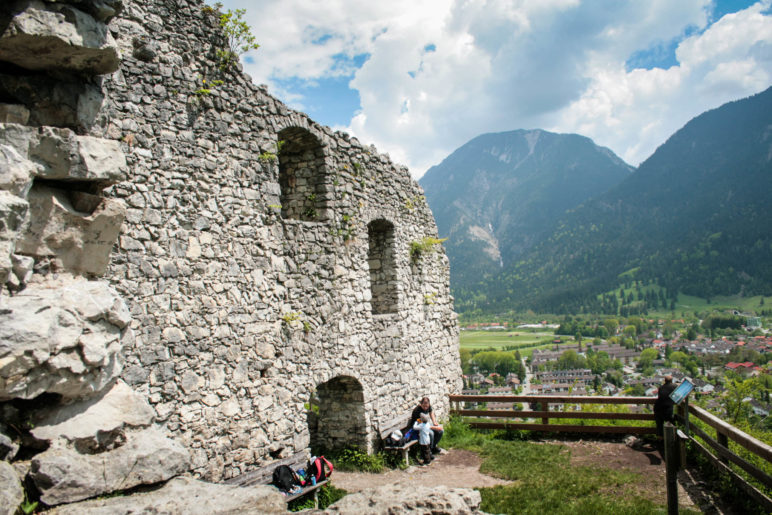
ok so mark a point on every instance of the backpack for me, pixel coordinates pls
(284, 478)
(319, 468)
(395, 439)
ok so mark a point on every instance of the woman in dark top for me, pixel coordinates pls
(426, 407)
(663, 407)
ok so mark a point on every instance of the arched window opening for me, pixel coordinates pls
(301, 175)
(383, 270)
(337, 416)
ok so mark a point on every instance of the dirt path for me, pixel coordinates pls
(461, 469)
(456, 469)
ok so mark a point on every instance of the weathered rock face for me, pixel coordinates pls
(52, 101)
(116, 409)
(405, 498)
(59, 154)
(61, 336)
(44, 36)
(11, 493)
(65, 474)
(265, 258)
(262, 279)
(186, 496)
(12, 213)
(76, 228)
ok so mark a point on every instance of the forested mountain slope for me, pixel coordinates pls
(498, 194)
(694, 217)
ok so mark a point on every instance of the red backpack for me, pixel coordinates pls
(319, 468)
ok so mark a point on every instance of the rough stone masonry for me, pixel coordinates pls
(274, 300)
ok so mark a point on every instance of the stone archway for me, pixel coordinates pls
(337, 419)
(383, 270)
(301, 175)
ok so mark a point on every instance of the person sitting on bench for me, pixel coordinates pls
(426, 407)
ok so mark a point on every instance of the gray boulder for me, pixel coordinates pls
(8, 448)
(77, 228)
(62, 335)
(186, 496)
(117, 408)
(102, 10)
(16, 171)
(67, 156)
(14, 113)
(46, 36)
(12, 213)
(408, 498)
(62, 155)
(65, 475)
(48, 101)
(11, 493)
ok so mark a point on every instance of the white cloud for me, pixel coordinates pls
(634, 112)
(505, 64)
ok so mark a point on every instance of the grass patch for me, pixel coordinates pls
(525, 341)
(545, 481)
(355, 460)
(327, 494)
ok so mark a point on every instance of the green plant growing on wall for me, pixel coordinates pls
(424, 246)
(272, 156)
(28, 506)
(204, 90)
(238, 33)
(290, 316)
(413, 202)
(430, 298)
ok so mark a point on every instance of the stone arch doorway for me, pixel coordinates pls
(301, 175)
(337, 416)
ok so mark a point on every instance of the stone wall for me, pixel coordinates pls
(70, 429)
(245, 256)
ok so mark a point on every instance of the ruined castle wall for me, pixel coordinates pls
(249, 276)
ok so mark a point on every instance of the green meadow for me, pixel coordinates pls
(525, 340)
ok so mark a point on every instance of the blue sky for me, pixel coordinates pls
(419, 79)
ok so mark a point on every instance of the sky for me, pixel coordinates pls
(419, 78)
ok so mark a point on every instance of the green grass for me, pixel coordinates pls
(687, 304)
(327, 494)
(745, 304)
(525, 340)
(545, 481)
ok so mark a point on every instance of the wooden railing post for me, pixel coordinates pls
(723, 440)
(686, 415)
(671, 467)
(545, 407)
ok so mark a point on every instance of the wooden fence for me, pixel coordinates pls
(722, 456)
(544, 413)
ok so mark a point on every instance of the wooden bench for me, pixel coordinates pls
(264, 476)
(397, 424)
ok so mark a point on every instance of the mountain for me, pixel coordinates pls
(498, 194)
(695, 217)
